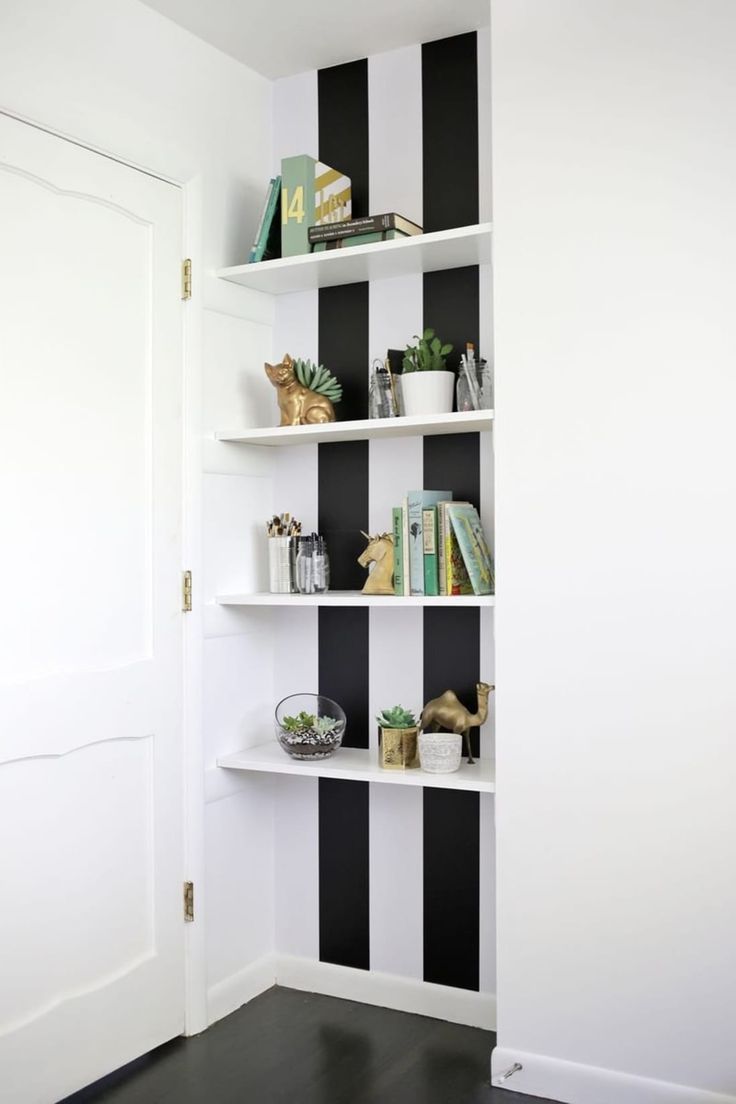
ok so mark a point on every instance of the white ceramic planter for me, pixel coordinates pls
(440, 752)
(427, 392)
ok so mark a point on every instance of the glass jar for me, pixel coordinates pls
(381, 400)
(475, 387)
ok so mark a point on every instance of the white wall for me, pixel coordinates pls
(615, 268)
(121, 78)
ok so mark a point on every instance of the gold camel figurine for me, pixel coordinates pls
(297, 403)
(379, 550)
(448, 712)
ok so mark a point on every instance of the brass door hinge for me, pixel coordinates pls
(186, 592)
(186, 279)
(189, 902)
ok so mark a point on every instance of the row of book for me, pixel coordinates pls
(308, 207)
(440, 547)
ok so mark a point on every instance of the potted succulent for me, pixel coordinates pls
(427, 385)
(397, 739)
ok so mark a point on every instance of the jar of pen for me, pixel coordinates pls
(474, 382)
(296, 564)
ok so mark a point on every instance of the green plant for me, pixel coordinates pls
(301, 723)
(325, 726)
(318, 378)
(396, 717)
(428, 355)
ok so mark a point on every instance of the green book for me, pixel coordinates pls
(418, 501)
(472, 544)
(312, 194)
(258, 252)
(398, 527)
(431, 562)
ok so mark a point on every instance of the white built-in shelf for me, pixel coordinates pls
(354, 598)
(457, 248)
(359, 764)
(428, 425)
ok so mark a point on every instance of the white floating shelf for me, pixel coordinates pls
(354, 598)
(457, 248)
(429, 425)
(359, 764)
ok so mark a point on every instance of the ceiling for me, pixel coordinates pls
(281, 37)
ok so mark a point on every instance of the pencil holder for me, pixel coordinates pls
(281, 556)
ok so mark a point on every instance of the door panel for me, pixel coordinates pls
(91, 931)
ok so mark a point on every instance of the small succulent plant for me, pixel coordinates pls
(303, 722)
(325, 726)
(428, 355)
(396, 717)
(305, 728)
(318, 378)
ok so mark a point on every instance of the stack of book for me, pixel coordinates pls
(362, 231)
(440, 547)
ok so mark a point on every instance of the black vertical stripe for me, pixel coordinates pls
(451, 887)
(342, 110)
(451, 635)
(450, 129)
(344, 917)
(344, 920)
(343, 667)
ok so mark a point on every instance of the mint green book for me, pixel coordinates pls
(357, 239)
(431, 559)
(312, 194)
(397, 517)
(416, 502)
(471, 541)
(258, 251)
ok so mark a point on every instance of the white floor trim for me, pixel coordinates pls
(572, 1083)
(229, 995)
(388, 991)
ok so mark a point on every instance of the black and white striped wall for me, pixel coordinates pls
(392, 880)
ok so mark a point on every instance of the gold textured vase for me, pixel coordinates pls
(397, 748)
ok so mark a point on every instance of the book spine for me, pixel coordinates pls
(405, 545)
(398, 550)
(416, 548)
(458, 580)
(371, 224)
(271, 214)
(441, 537)
(266, 205)
(297, 203)
(429, 542)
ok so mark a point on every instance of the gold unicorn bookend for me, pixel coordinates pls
(306, 391)
(379, 551)
(448, 712)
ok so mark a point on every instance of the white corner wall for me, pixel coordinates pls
(121, 78)
(615, 269)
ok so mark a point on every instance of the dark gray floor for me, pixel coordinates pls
(287, 1047)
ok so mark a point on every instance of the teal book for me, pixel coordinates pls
(312, 194)
(417, 501)
(265, 227)
(431, 559)
(397, 515)
(471, 541)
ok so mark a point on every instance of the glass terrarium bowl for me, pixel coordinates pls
(309, 726)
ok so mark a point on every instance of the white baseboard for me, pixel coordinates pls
(460, 1006)
(238, 989)
(572, 1083)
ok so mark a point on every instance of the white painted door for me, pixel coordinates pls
(91, 925)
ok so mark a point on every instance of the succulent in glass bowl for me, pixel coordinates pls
(309, 726)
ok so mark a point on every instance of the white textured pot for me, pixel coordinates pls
(440, 752)
(427, 392)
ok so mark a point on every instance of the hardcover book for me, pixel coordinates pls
(266, 241)
(371, 224)
(356, 239)
(405, 546)
(312, 194)
(398, 530)
(417, 502)
(473, 547)
(429, 537)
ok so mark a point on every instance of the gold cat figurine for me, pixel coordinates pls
(298, 405)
